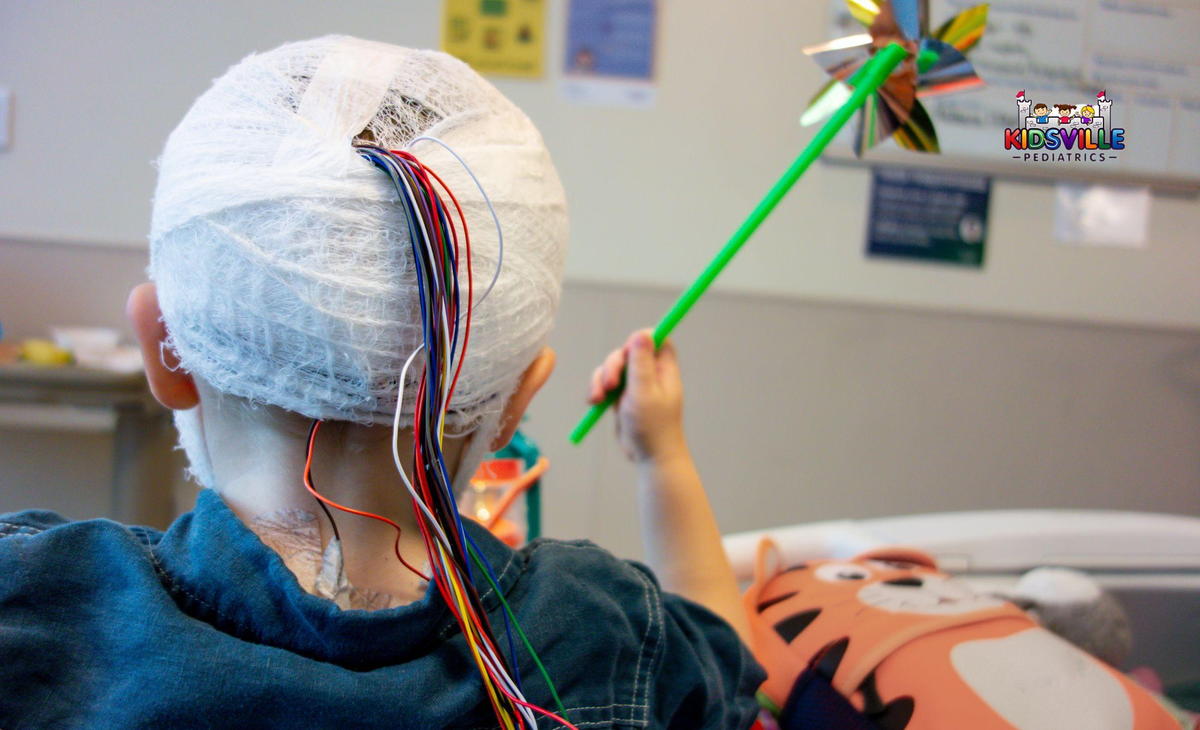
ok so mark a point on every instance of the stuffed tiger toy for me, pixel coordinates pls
(913, 649)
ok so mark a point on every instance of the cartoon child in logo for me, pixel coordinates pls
(1042, 113)
(1086, 113)
(1064, 112)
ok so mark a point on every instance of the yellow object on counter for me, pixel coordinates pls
(44, 352)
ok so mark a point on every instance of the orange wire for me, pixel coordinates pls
(312, 440)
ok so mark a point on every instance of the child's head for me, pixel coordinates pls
(1041, 110)
(282, 259)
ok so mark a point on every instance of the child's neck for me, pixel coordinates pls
(260, 474)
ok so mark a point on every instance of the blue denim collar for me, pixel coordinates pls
(220, 572)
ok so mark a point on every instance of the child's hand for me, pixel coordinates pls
(683, 544)
(650, 411)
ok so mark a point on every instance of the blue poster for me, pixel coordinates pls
(931, 215)
(609, 53)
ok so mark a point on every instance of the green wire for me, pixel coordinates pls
(767, 703)
(524, 639)
(872, 75)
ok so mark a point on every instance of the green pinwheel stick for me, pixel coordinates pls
(865, 82)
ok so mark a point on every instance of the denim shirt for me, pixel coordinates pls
(103, 625)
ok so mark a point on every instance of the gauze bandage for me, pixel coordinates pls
(282, 259)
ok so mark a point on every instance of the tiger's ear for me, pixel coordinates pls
(900, 555)
(768, 561)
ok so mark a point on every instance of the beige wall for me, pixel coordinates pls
(97, 86)
(797, 410)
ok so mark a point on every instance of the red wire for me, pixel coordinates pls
(418, 468)
(470, 283)
(427, 189)
(312, 439)
(430, 195)
(470, 274)
(541, 710)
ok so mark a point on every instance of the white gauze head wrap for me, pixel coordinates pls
(282, 258)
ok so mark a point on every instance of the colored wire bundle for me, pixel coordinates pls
(456, 562)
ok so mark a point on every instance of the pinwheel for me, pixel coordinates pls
(936, 64)
(878, 77)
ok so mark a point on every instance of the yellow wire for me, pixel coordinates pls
(471, 632)
(472, 642)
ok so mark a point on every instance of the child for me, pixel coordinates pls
(1041, 113)
(287, 295)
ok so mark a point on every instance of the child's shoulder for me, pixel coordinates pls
(33, 522)
(581, 566)
(41, 543)
(29, 522)
(676, 658)
(578, 581)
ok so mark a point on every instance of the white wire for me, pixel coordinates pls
(486, 199)
(492, 660)
(426, 243)
(396, 451)
(488, 653)
(428, 246)
(426, 240)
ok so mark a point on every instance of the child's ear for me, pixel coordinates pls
(531, 382)
(171, 385)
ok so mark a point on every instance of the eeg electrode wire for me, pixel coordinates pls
(434, 242)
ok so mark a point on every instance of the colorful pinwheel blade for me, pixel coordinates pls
(964, 30)
(842, 57)
(866, 132)
(864, 11)
(917, 132)
(893, 101)
(937, 65)
(911, 17)
(950, 72)
(831, 96)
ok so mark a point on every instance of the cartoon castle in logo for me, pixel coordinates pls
(1064, 132)
(1067, 116)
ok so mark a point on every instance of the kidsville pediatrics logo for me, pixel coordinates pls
(1064, 132)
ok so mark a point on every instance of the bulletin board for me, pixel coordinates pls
(1141, 53)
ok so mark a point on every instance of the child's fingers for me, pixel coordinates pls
(642, 371)
(596, 387)
(668, 361)
(613, 366)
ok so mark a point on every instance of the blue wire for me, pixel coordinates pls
(397, 169)
(512, 646)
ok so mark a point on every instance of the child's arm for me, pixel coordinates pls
(683, 544)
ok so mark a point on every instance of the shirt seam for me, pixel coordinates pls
(653, 618)
(8, 529)
(175, 587)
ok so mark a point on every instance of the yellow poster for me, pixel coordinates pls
(496, 36)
